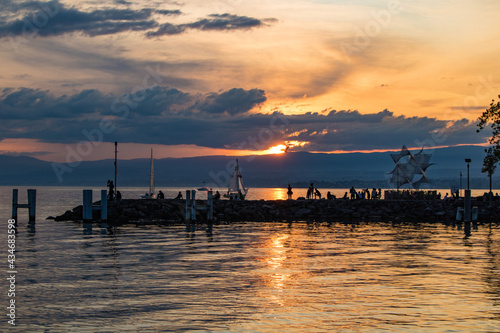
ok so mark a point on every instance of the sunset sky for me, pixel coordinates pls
(236, 77)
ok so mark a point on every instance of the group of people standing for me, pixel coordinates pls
(111, 192)
(312, 193)
(364, 194)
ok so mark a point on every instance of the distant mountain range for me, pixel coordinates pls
(298, 168)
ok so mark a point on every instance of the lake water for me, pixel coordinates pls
(249, 277)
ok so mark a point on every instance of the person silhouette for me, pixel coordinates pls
(111, 193)
(289, 192)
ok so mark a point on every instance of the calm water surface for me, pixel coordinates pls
(251, 277)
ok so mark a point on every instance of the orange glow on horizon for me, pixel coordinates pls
(58, 152)
(278, 149)
(485, 144)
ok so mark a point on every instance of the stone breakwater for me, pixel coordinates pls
(171, 211)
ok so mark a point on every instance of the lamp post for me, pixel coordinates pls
(467, 198)
(468, 160)
(460, 191)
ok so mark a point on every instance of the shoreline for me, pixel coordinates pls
(172, 211)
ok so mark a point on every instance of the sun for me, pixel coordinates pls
(278, 149)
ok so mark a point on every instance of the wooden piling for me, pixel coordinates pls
(188, 210)
(87, 205)
(210, 212)
(104, 205)
(193, 205)
(14, 204)
(191, 208)
(31, 205)
(467, 206)
(210, 208)
(193, 211)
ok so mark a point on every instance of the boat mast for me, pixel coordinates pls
(237, 176)
(152, 176)
(116, 166)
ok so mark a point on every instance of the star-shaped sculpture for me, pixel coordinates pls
(409, 165)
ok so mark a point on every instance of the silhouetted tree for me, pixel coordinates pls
(489, 164)
(491, 117)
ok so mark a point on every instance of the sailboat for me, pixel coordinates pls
(236, 190)
(151, 194)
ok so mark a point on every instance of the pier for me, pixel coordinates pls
(175, 211)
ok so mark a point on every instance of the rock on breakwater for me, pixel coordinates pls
(171, 211)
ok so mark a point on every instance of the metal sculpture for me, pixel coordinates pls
(408, 167)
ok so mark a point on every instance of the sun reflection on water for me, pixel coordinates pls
(277, 274)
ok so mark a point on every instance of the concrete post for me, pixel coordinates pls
(87, 205)
(193, 205)
(188, 210)
(14, 204)
(104, 205)
(210, 212)
(193, 211)
(32, 205)
(210, 209)
(467, 206)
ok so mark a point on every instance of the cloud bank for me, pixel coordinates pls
(36, 18)
(227, 119)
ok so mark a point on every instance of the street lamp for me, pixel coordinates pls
(468, 160)
(467, 199)
(460, 191)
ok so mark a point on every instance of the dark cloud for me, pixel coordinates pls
(39, 105)
(233, 102)
(220, 120)
(36, 18)
(213, 22)
(168, 11)
(153, 102)
(59, 20)
(225, 22)
(167, 29)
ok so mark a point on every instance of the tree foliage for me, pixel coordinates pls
(491, 117)
(489, 162)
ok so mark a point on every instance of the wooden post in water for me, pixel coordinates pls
(31, 205)
(210, 212)
(467, 204)
(210, 209)
(193, 210)
(14, 204)
(188, 210)
(104, 205)
(88, 208)
(87, 205)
